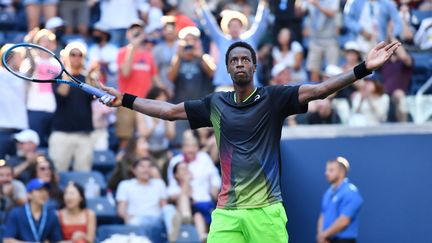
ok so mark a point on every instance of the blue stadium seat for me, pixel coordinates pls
(104, 161)
(417, 16)
(421, 69)
(82, 178)
(105, 211)
(188, 234)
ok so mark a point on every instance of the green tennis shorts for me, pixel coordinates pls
(254, 225)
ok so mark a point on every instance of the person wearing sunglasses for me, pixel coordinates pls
(72, 123)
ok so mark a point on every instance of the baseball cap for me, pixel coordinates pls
(341, 160)
(189, 30)
(353, 46)
(54, 22)
(332, 70)
(138, 23)
(37, 184)
(27, 135)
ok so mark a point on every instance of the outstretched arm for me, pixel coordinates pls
(154, 108)
(375, 59)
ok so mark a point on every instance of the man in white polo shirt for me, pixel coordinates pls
(142, 201)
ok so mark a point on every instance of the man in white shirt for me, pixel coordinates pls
(205, 182)
(142, 200)
(13, 116)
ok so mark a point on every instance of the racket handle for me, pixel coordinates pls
(94, 91)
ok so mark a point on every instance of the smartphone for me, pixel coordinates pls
(136, 34)
(188, 47)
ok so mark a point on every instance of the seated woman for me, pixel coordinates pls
(370, 104)
(78, 224)
(44, 169)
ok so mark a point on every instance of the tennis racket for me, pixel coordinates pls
(38, 64)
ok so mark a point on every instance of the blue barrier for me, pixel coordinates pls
(393, 173)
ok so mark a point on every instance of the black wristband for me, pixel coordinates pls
(128, 100)
(360, 71)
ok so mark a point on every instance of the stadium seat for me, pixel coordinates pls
(82, 178)
(417, 16)
(188, 234)
(103, 161)
(421, 69)
(104, 210)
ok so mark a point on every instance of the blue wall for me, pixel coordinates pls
(392, 172)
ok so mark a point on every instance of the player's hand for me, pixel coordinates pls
(380, 54)
(114, 99)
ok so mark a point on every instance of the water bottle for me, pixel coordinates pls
(92, 189)
(110, 197)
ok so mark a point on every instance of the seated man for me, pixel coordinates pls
(35, 221)
(27, 142)
(197, 177)
(13, 192)
(142, 200)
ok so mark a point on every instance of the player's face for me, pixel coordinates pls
(333, 172)
(240, 66)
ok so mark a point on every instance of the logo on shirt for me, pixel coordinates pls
(257, 97)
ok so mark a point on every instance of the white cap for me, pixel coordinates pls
(278, 68)
(54, 22)
(101, 26)
(332, 70)
(27, 135)
(353, 46)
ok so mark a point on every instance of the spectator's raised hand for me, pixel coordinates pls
(380, 54)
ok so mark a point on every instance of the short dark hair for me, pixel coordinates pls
(244, 45)
(155, 92)
(137, 161)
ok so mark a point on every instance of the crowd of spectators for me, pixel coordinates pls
(174, 50)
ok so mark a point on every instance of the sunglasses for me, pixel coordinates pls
(44, 168)
(76, 54)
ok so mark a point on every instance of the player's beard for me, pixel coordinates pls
(242, 80)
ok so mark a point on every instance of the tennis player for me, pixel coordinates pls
(247, 124)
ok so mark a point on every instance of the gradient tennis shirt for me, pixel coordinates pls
(248, 136)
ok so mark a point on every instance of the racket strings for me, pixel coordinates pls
(33, 63)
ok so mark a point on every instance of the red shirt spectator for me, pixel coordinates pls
(139, 80)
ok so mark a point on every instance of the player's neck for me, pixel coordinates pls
(242, 93)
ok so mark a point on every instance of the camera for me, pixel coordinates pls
(188, 47)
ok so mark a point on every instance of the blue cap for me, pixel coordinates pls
(37, 184)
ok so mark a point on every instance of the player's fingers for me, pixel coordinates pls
(391, 45)
(380, 45)
(394, 47)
